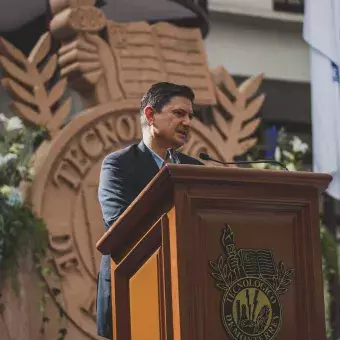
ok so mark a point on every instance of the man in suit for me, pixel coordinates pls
(166, 111)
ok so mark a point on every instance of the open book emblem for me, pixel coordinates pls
(252, 282)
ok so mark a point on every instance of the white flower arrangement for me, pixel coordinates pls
(6, 158)
(13, 195)
(12, 123)
(289, 152)
(21, 232)
(298, 145)
(15, 157)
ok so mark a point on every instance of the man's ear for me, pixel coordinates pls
(149, 113)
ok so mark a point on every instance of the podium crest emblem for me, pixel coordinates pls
(252, 283)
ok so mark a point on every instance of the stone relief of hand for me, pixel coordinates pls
(87, 61)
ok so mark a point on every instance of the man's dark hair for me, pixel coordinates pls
(160, 94)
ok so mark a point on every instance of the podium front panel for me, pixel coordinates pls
(249, 266)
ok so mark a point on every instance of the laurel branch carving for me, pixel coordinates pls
(284, 278)
(237, 119)
(221, 274)
(26, 81)
(227, 270)
(225, 279)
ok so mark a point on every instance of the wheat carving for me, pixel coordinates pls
(26, 79)
(242, 123)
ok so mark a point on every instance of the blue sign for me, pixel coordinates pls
(271, 135)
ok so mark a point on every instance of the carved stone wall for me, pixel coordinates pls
(110, 61)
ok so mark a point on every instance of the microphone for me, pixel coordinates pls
(206, 157)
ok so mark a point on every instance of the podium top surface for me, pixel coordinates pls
(161, 187)
(190, 173)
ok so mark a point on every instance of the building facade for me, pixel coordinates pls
(249, 37)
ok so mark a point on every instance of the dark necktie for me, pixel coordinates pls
(171, 157)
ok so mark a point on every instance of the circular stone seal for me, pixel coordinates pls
(64, 194)
(251, 310)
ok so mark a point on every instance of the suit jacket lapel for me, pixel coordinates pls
(146, 167)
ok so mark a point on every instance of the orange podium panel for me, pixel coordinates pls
(219, 253)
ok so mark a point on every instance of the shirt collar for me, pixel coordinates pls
(158, 159)
(169, 155)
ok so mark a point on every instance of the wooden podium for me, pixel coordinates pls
(215, 253)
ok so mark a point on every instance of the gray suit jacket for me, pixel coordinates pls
(124, 174)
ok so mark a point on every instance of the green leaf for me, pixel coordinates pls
(21, 233)
(329, 249)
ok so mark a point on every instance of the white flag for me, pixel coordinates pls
(321, 32)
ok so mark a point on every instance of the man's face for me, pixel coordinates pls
(171, 126)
